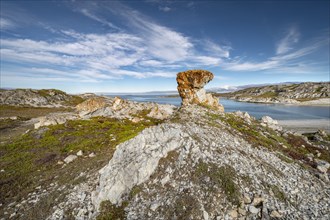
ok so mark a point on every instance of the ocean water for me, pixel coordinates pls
(276, 111)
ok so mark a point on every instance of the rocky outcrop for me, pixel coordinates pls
(195, 170)
(55, 118)
(303, 93)
(91, 105)
(191, 88)
(37, 98)
(148, 148)
(120, 108)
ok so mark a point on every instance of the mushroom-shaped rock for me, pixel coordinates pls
(191, 88)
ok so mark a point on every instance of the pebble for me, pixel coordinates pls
(233, 213)
(253, 209)
(275, 214)
(79, 153)
(91, 154)
(70, 158)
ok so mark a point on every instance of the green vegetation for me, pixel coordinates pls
(28, 112)
(279, 194)
(108, 211)
(306, 99)
(32, 158)
(294, 147)
(185, 206)
(10, 123)
(268, 94)
(47, 92)
(222, 177)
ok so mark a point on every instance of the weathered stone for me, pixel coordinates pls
(257, 201)
(79, 153)
(90, 105)
(233, 213)
(322, 165)
(54, 119)
(241, 211)
(253, 209)
(191, 88)
(91, 154)
(122, 169)
(70, 158)
(247, 199)
(275, 214)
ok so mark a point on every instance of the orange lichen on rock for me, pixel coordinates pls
(191, 88)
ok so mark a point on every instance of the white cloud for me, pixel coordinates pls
(164, 8)
(213, 48)
(285, 44)
(290, 61)
(103, 21)
(6, 24)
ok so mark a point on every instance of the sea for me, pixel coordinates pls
(257, 110)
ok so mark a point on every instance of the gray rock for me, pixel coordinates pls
(146, 151)
(322, 165)
(253, 209)
(79, 153)
(70, 158)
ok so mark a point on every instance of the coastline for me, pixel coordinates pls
(306, 125)
(325, 102)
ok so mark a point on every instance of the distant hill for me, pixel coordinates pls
(283, 93)
(38, 98)
(227, 89)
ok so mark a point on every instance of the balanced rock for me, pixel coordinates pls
(191, 88)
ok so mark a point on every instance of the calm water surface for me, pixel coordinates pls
(276, 111)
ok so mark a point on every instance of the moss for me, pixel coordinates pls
(285, 158)
(256, 135)
(279, 194)
(186, 206)
(222, 177)
(268, 94)
(22, 158)
(108, 211)
(306, 99)
(28, 112)
(135, 190)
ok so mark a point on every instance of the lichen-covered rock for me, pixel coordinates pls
(191, 88)
(35, 98)
(54, 119)
(91, 105)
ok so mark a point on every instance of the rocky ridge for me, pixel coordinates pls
(109, 107)
(195, 166)
(38, 98)
(303, 93)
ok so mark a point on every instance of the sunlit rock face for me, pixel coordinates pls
(191, 88)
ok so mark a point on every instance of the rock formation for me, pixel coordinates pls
(37, 98)
(308, 93)
(191, 88)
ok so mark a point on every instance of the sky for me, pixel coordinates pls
(140, 46)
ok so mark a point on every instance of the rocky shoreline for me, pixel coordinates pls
(317, 102)
(295, 94)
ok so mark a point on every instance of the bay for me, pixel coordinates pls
(276, 111)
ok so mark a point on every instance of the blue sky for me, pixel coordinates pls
(137, 46)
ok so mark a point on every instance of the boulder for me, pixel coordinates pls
(70, 158)
(91, 105)
(54, 119)
(191, 89)
(267, 121)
